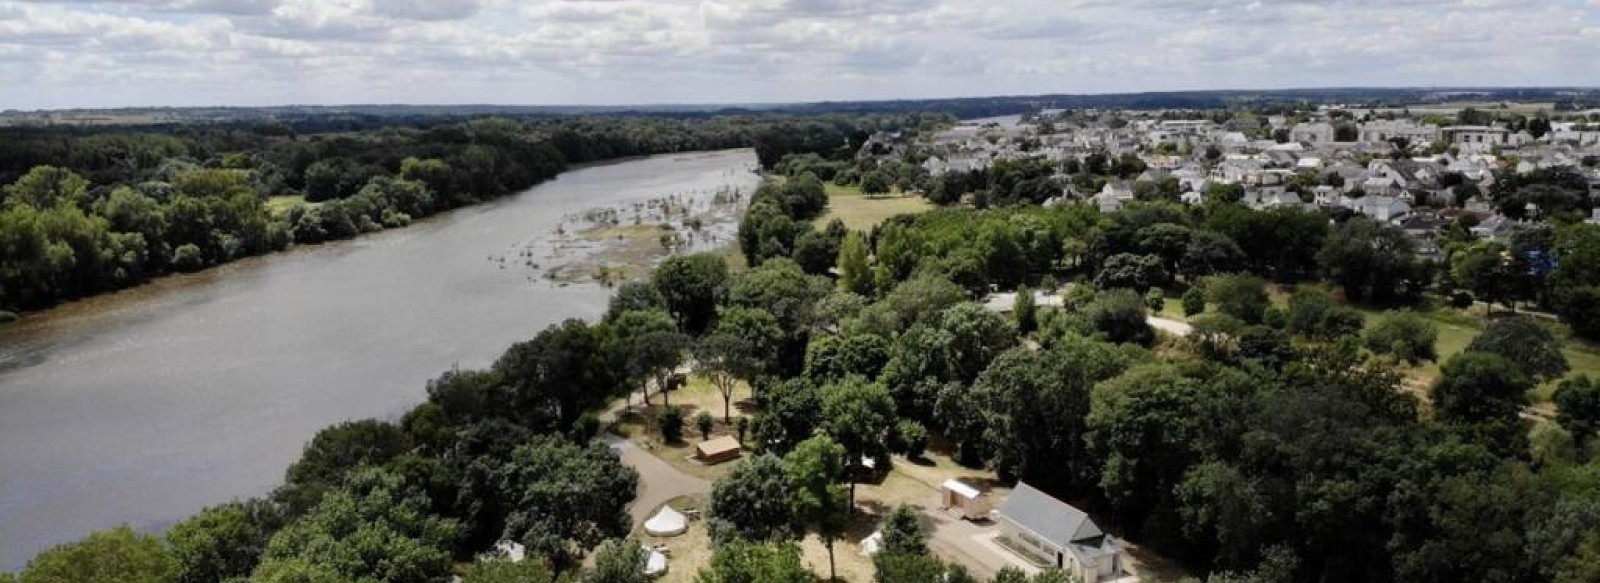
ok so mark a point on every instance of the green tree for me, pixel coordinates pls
(47, 186)
(1578, 406)
(1405, 334)
(692, 286)
(1313, 314)
(332, 454)
(1241, 296)
(560, 495)
(875, 182)
(1492, 273)
(1119, 315)
(374, 528)
(1194, 301)
(859, 415)
(1026, 311)
(1370, 260)
(1533, 348)
(703, 421)
(902, 532)
(618, 561)
(855, 274)
(1476, 387)
(118, 555)
(671, 422)
(558, 375)
(739, 561)
(1127, 270)
(222, 542)
(815, 467)
(754, 502)
(498, 571)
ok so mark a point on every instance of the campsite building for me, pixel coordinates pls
(961, 499)
(1061, 534)
(717, 450)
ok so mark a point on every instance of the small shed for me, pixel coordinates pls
(718, 450)
(964, 500)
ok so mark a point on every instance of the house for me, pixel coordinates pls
(960, 499)
(1385, 130)
(1062, 535)
(1476, 138)
(1115, 194)
(1379, 208)
(1314, 133)
(716, 451)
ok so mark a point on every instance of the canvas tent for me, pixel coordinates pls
(666, 522)
(872, 544)
(717, 450)
(656, 564)
(964, 500)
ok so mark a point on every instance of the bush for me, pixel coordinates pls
(1241, 296)
(1276, 318)
(704, 422)
(1406, 335)
(1460, 300)
(1155, 299)
(672, 425)
(1194, 302)
(912, 438)
(1119, 315)
(187, 258)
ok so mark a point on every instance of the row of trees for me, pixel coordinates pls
(89, 211)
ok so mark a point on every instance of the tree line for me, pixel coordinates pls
(86, 211)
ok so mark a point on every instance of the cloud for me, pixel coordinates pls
(58, 53)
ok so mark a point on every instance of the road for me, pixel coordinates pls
(658, 480)
(1169, 325)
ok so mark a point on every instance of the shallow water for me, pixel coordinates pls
(143, 406)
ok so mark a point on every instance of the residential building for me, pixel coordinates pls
(1060, 534)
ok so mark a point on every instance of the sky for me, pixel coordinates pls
(115, 53)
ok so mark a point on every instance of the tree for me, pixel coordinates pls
(1026, 311)
(374, 528)
(703, 421)
(911, 438)
(815, 467)
(557, 376)
(902, 532)
(692, 286)
(618, 561)
(1241, 296)
(736, 351)
(754, 502)
(562, 495)
(1370, 260)
(1119, 315)
(634, 296)
(672, 425)
(1194, 301)
(1313, 314)
(859, 415)
(499, 571)
(874, 183)
(1209, 252)
(1492, 273)
(1406, 335)
(892, 568)
(222, 542)
(1477, 387)
(1530, 346)
(834, 357)
(333, 453)
(119, 555)
(739, 561)
(1136, 272)
(855, 275)
(1578, 406)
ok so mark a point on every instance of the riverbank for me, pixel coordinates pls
(144, 405)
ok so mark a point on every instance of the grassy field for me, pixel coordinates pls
(279, 205)
(861, 212)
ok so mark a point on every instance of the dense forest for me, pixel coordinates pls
(87, 210)
(1274, 444)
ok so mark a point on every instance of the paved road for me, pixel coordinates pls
(658, 480)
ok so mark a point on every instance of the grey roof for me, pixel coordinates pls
(1047, 517)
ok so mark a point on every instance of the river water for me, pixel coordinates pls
(143, 406)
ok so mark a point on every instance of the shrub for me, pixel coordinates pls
(1194, 302)
(1155, 299)
(1406, 335)
(912, 438)
(672, 425)
(704, 422)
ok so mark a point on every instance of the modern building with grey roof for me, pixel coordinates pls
(1061, 534)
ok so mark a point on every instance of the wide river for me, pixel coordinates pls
(143, 406)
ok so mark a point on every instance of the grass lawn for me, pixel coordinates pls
(642, 425)
(861, 212)
(280, 205)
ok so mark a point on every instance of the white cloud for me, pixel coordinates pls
(59, 53)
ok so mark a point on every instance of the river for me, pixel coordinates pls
(143, 406)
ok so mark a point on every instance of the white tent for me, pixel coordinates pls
(872, 544)
(511, 551)
(666, 522)
(656, 565)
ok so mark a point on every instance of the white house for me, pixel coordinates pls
(1062, 535)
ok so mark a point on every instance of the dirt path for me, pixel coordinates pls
(1173, 326)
